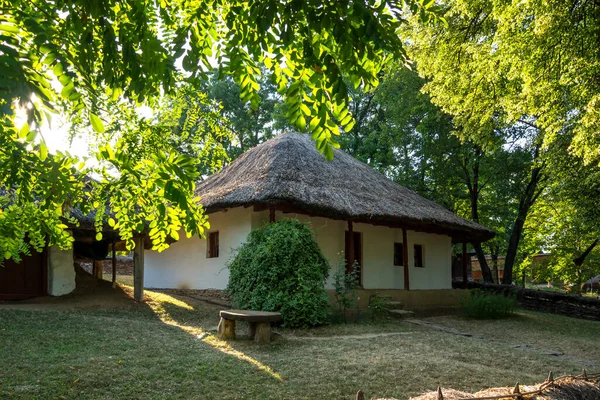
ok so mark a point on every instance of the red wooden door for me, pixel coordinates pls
(357, 253)
(23, 280)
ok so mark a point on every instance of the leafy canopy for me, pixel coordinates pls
(80, 58)
(506, 62)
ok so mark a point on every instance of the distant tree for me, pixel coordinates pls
(249, 126)
(500, 84)
(566, 221)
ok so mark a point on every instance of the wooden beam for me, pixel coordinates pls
(97, 269)
(464, 265)
(350, 256)
(114, 262)
(138, 268)
(405, 259)
(458, 235)
(271, 214)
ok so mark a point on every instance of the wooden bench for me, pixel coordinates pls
(259, 322)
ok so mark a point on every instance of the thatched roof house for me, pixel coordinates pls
(287, 172)
(399, 239)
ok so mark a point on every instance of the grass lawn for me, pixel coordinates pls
(123, 350)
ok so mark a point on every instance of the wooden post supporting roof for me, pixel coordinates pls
(464, 264)
(271, 214)
(405, 259)
(114, 262)
(138, 268)
(350, 256)
(98, 269)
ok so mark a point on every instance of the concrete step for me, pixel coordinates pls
(401, 314)
(394, 305)
(384, 296)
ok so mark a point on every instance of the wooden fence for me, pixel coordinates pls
(545, 301)
(516, 392)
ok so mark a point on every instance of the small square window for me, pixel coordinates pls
(212, 250)
(419, 256)
(398, 254)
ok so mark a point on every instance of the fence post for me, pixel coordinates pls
(584, 374)
(440, 395)
(360, 395)
(516, 390)
(550, 377)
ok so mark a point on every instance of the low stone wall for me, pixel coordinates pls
(415, 300)
(545, 301)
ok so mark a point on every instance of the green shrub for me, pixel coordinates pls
(484, 305)
(378, 306)
(281, 268)
(344, 285)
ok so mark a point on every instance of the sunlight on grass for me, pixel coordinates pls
(226, 348)
(157, 301)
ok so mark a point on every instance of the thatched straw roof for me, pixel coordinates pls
(288, 173)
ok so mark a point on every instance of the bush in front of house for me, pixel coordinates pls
(281, 268)
(480, 304)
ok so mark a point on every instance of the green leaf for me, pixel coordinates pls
(301, 123)
(305, 109)
(314, 123)
(99, 236)
(58, 69)
(328, 152)
(24, 131)
(43, 151)
(31, 136)
(97, 123)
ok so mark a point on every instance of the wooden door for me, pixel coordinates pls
(25, 279)
(357, 236)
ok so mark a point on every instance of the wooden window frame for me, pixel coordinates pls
(422, 256)
(398, 254)
(212, 245)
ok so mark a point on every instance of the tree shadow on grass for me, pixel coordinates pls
(62, 350)
(199, 320)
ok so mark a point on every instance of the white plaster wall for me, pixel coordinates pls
(437, 260)
(61, 271)
(185, 265)
(379, 271)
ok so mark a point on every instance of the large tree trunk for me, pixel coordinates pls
(474, 189)
(485, 269)
(494, 250)
(531, 194)
(579, 260)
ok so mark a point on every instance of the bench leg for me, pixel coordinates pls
(226, 329)
(262, 333)
(252, 327)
